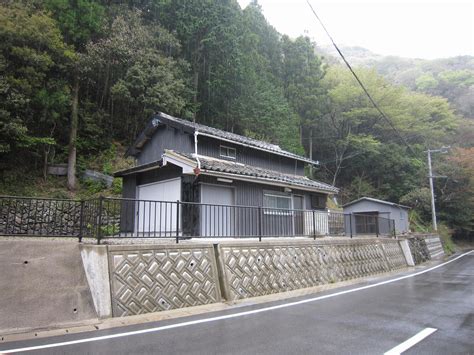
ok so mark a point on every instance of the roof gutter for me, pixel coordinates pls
(196, 148)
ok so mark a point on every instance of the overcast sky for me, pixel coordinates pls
(416, 28)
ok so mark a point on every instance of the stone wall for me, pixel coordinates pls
(40, 217)
(256, 269)
(425, 247)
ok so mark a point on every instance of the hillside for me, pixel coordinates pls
(80, 79)
(452, 78)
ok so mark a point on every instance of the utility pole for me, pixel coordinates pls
(442, 150)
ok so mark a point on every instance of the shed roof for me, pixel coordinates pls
(376, 201)
(161, 118)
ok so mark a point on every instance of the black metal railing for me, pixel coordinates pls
(106, 217)
(369, 224)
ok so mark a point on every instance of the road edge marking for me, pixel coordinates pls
(227, 316)
(407, 344)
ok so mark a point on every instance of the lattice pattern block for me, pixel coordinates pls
(155, 280)
(394, 254)
(435, 248)
(256, 270)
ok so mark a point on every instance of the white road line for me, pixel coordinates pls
(407, 344)
(227, 316)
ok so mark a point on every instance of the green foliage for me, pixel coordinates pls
(418, 224)
(92, 187)
(445, 234)
(229, 68)
(117, 186)
(33, 94)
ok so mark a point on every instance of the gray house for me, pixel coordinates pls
(364, 208)
(204, 167)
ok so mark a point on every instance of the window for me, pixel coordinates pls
(318, 201)
(277, 204)
(228, 152)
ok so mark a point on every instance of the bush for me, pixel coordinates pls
(446, 238)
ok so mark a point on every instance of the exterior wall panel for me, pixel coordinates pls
(165, 138)
(246, 155)
(400, 215)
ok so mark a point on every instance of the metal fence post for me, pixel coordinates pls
(177, 221)
(314, 224)
(377, 226)
(99, 227)
(81, 221)
(350, 223)
(259, 223)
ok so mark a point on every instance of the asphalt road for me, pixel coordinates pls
(370, 318)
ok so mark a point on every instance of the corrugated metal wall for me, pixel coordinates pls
(166, 138)
(245, 155)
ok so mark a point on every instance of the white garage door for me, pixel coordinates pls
(156, 210)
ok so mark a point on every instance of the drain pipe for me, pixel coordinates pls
(196, 149)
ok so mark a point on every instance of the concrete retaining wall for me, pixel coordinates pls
(155, 278)
(42, 283)
(46, 283)
(425, 247)
(256, 269)
(435, 248)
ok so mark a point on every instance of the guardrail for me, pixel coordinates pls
(106, 217)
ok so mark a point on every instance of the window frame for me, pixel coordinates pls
(277, 211)
(227, 149)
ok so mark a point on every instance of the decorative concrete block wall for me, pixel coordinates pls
(156, 278)
(256, 269)
(435, 248)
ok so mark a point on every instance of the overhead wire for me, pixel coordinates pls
(382, 114)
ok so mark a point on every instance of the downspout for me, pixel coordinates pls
(196, 149)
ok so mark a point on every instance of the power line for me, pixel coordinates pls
(361, 84)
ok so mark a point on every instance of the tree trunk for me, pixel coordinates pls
(195, 84)
(71, 163)
(311, 152)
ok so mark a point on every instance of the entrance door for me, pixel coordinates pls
(156, 209)
(217, 217)
(298, 206)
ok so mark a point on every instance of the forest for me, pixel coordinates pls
(79, 80)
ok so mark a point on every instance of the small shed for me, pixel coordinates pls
(367, 206)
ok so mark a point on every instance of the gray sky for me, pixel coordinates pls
(417, 28)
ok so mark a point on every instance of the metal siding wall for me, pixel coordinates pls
(155, 175)
(369, 206)
(127, 212)
(129, 186)
(165, 138)
(251, 194)
(245, 155)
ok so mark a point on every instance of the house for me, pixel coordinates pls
(365, 211)
(208, 170)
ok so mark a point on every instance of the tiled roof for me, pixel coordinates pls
(228, 167)
(161, 117)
